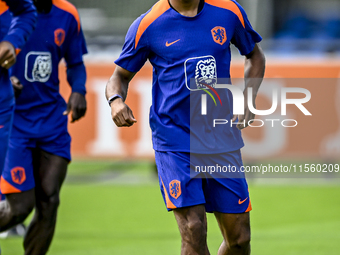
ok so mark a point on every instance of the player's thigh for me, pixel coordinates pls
(18, 174)
(178, 188)
(235, 227)
(22, 203)
(51, 161)
(49, 172)
(6, 117)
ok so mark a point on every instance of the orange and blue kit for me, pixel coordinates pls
(189, 54)
(38, 118)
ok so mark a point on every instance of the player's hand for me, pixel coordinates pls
(17, 86)
(122, 114)
(248, 117)
(77, 105)
(7, 54)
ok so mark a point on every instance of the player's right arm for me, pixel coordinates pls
(118, 85)
(133, 56)
(23, 23)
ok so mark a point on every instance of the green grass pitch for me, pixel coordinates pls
(106, 209)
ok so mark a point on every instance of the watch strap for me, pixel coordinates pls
(113, 97)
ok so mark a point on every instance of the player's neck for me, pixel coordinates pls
(43, 6)
(187, 8)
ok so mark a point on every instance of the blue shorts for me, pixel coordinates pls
(18, 171)
(179, 189)
(6, 119)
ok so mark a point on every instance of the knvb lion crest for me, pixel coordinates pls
(38, 66)
(205, 73)
(219, 35)
(59, 36)
(18, 175)
(42, 68)
(175, 188)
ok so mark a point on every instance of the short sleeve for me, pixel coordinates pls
(134, 55)
(245, 37)
(76, 47)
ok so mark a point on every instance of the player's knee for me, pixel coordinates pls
(240, 243)
(195, 230)
(53, 201)
(49, 205)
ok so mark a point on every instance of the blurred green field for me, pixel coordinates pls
(117, 208)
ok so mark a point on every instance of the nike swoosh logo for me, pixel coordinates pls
(241, 202)
(169, 44)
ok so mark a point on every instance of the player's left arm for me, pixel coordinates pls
(76, 77)
(253, 73)
(76, 71)
(246, 39)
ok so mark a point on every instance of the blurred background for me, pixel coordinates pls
(287, 25)
(111, 203)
